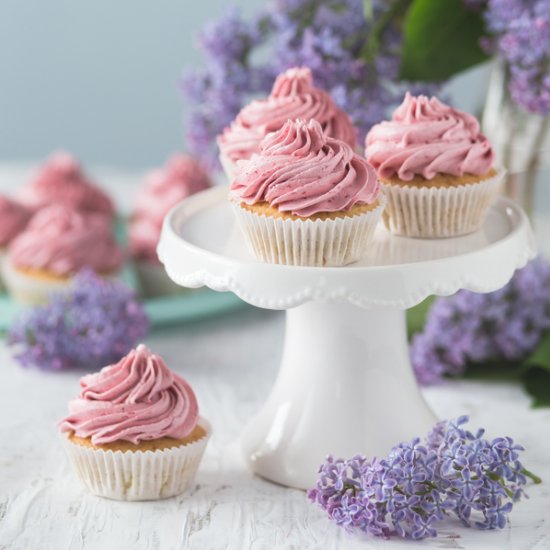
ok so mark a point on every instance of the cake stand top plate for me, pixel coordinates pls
(201, 245)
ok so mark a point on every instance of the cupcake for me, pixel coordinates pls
(134, 431)
(181, 177)
(306, 199)
(293, 96)
(435, 167)
(13, 219)
(60, 180)
(56, 244)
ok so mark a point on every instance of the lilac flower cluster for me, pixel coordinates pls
(520, 32)
(93, 325)
(452, 472)
(355, 60)
(473, 328)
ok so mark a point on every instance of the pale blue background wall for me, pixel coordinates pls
(98, 77)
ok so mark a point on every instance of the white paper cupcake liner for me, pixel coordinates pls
(330, 242)
(432, 212)
(33, 291)
(138, 475)
(228, 167)
(27, 289)
(154, 281)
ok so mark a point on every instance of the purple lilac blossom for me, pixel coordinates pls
(520, 33)
(451, 472)
(94, 324)
(468, 327)
(242, 59)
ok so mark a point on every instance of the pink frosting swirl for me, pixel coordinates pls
(13, 219)
(302, 171)
(62, 241)
(137, 399)
(293, 96)
(426, 137)
(181, 177)
(61, 180)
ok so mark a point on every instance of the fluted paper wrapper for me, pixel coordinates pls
(30, 290)
(228, 167)
(331, 242)
(432, 212)
(138, 475)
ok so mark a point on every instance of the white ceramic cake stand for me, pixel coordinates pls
(345, 385)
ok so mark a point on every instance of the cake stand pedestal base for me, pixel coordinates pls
(345, 377)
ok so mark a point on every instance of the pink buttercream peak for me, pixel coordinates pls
(421, 108)
(294, 81)
(63, 241)
(137, 399)
(181, 177)
(295, 138)
(64, 163)
(13, 219)
(61, 180)
(293, 96)
(426, 137)
(302, 171)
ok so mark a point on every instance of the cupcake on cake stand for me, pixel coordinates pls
(345, 384)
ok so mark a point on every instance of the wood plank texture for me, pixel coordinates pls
(231, 362)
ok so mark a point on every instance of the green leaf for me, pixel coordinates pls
(367, 9)
(416, 316)
(536, 376)
(541, 356)
(537, 383)
(441, 38)
(494, 370)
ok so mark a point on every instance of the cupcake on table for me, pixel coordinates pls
(181, 177)
(294, 95)
(134, 431)
(436, 169)
(56, 244)
(61, 180)
(13, 219)
(306, 198)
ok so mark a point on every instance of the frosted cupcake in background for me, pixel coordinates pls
(306, 199)
(61, 180)
(134, 431)
(181, 177)
(13, 219)
(293, 96)
(435, 167)
(56, 244)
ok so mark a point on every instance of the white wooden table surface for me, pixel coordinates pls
(231, 362)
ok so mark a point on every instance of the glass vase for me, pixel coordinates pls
(522, 144)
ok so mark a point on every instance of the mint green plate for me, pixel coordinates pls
(190, 305)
